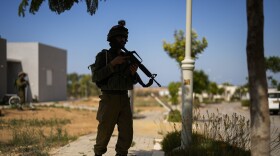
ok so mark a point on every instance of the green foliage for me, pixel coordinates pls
(200, 81)
(212, 134)
(57, 6)
(174, 116)
(240, 91)
(227, 84)
(213, 88)
(273, 82)
(170, 141)
(173, 89)
(245, 103)
(81, 86)
(176, 50)
(273, 64)
(200, 146)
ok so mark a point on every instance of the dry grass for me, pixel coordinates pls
(52, 122)
(82, 122)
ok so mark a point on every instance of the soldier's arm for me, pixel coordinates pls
(102, 70)
(21, 83)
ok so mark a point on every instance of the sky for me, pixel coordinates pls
(222, 22)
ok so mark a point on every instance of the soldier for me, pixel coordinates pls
(114, 76)
(21, 83)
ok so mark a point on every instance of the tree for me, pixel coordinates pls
(240, 92)
(200, 81)
(173, 89)
(72, 84)
(81, 86)
(87, 88)
(273, 64)
(57, 6)
(260, 121)
(274, 83)
(221, 91)
(176, 50)
(212, 89)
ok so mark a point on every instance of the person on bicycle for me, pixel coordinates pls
(21, 83)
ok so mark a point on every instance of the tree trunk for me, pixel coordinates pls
(260, 121)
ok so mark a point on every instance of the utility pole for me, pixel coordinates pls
(187, 86)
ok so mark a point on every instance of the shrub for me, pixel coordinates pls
(216, 135)
(199, 146)
(245, 103)
(170, 141)
(174, 116)
(212, 135)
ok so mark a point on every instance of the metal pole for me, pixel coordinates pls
(187, 87)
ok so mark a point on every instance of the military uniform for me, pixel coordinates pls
(114, 106)
(21, 84)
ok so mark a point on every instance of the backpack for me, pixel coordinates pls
(92, 68)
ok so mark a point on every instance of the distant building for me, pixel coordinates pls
(46, 67)
(229, 91)
(164, 92)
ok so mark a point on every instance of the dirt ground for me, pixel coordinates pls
(82, 121)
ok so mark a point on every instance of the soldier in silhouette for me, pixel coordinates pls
(114, 75)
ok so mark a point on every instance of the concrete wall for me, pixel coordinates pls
(46, 67)
(27, 55)
(3, 67)
(52, 73)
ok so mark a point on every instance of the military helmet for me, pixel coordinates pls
(21, 73)
(118, 30)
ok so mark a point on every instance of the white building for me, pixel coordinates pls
(45, 66)
(229, 91)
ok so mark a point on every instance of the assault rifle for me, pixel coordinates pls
(135, 60)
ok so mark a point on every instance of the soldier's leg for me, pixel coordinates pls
(125, 127)
(22, 100)
(107, 117)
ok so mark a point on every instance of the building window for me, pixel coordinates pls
(49, 77)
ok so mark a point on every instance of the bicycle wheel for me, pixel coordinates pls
(14, 101)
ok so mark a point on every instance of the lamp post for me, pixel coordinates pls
(187, 86)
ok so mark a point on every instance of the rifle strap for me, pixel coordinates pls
(139, 80)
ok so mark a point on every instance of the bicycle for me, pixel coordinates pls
(14, 101)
